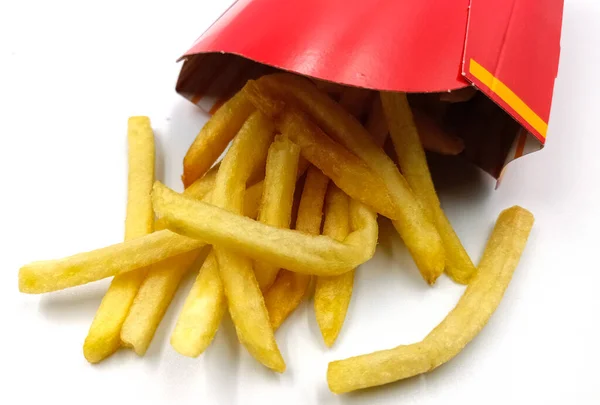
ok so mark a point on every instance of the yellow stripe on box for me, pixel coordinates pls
(509, 97)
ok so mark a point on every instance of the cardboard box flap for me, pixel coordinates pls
(511, 54)
(412, 46)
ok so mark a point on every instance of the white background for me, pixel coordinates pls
(71, 73)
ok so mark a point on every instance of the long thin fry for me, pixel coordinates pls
(53, 275)
(202, 312)
(162, 281)
(289, 288)
(214, 137)
(277, 199)
(245, 300)
(345, 169)
(204, 184)
(413, 163)
(333, 294)
(103, 337)
(415, 228)
(293, 250)
(461, 325)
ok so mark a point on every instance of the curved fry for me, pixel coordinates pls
(461, 325)
(289, 288)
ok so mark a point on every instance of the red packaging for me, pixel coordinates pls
(508, 49)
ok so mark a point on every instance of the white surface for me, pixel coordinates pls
(70, 75)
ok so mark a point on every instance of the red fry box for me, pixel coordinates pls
(507, 49)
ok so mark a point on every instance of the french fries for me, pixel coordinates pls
(214, 137)
(333, 294)
(162, 281)
(202, 311)
(413, 164)
(411, 221)
(463, 323)
(292, 250)
(279, 127)
(346, 170)
(277, 199)
(103, 338)
(289, 288)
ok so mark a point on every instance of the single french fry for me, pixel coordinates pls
(413, 164)
(333, 294)
(153, 299)
(202, 312)
(416, 229)
(461, 325)
(289, 288)
(277, 198)
(355, 100)
(214, 137)
(53, 275)
(345, 169)
(103, 337)
(292, 250)
(244, 298)
(162, 281)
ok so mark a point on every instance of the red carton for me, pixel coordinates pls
(508, 49)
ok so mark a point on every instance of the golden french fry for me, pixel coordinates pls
(333, 294)
(214, 137)
(345, 169)
(355, 100)
(103, 337)
(162, 281)
(416, 229)
(53, 275)
(277, 198)
(461, 325)
(244, 298)
(376, 124)
(153, 299)
(289, 288)
(292, 250)
(202, 312)
(413, 164)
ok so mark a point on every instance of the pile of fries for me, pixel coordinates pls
(293, 204)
